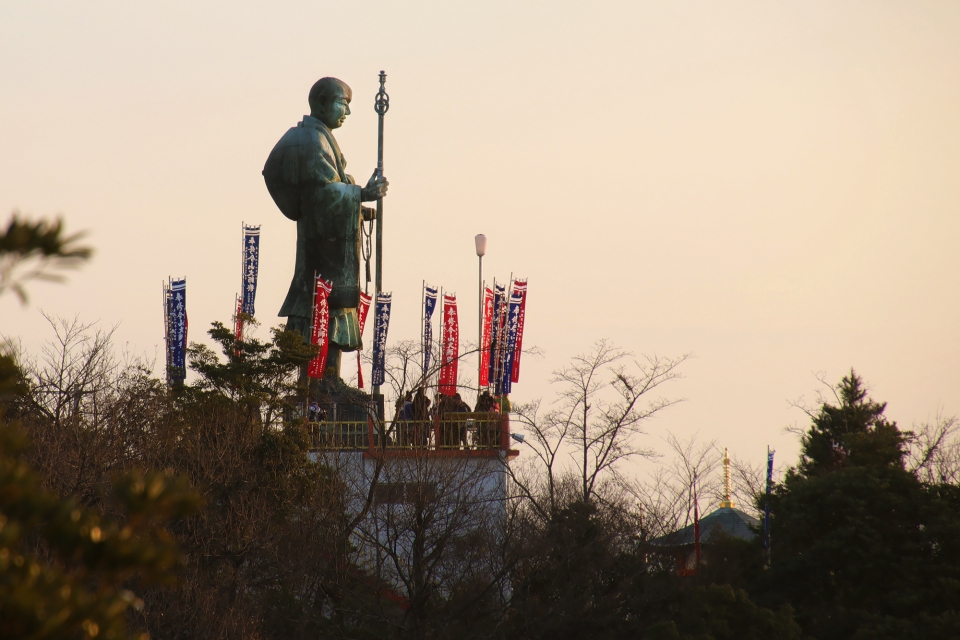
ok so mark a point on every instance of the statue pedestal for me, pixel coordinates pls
(338, 401)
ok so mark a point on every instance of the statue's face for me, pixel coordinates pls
(336, 111)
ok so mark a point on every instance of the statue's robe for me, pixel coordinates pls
(305, 174)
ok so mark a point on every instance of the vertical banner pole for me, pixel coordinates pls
(423, 327)
(243, 277)
(479, 326)
(696, 524)
(494, 341)
(766, 508)
(381, 105)
(440, 337)
(166, 332)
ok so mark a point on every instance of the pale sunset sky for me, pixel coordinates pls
(771, 186)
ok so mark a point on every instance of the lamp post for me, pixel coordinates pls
(480, 241)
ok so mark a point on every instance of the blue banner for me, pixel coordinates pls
(251, 266)
(504, 381)
(429, 304)
(496, 332)
(381, 323)
(177, 329)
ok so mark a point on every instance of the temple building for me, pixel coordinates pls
(725, 523)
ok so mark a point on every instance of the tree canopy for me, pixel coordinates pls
(860, 544)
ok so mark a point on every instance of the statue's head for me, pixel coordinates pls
(330, 101)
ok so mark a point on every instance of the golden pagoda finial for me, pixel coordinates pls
(726, 503)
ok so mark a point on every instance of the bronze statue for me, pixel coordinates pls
(306, 176)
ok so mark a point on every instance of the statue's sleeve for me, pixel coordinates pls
(319, 166)
(367, 213)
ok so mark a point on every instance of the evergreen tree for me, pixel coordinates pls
(860, 544)
(853, 434)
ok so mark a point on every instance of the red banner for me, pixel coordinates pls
(362, 310)
(485, 340)
(238, 326)
(519, 286)
(321, 326)
(450, 349)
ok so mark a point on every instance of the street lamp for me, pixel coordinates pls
(480, 241)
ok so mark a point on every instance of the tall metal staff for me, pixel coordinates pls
(380, 105)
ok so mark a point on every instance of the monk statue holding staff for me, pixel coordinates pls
(306, 176)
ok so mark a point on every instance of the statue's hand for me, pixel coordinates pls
(376, 188)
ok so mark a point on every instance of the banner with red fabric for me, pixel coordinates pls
(450, 349)
(519, 286)
(321, 327)
(362, 310)
(238, 326)
(486, 337)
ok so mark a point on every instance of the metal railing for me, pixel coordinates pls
(451, 432)
(341, 434)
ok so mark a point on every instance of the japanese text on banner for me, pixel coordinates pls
(381, 323)
(485, 338)
(177, 328)
(362, 311)
(238, 328)
(450, 346)
(504, 383)
(321, 326)
(496, 331)
(429, 304)
(519, 286)
(251, 266)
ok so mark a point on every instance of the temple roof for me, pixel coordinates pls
(726, 520)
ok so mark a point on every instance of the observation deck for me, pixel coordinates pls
(484, 434)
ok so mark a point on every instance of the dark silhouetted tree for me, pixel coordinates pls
(861, 545)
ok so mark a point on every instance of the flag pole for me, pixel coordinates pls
(441, 355)
(479, 325)
(502, 336)
(381, 105)
(243, 265)
(423, 324)
(166, 333)
(696, 524)
(494, 319)
(766, 509)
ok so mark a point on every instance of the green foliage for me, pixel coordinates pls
(579, 579)
(587, 576)
(65, 570)
(256, 374)
(720, 612)
(269, 554)
(858, 541)
(79, 584)
(861, 547)
(42, 243)
(853, 434)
